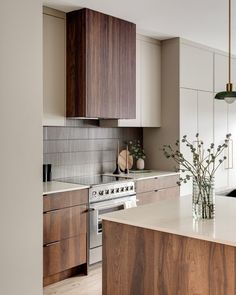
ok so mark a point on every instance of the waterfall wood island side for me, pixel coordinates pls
(159, 249)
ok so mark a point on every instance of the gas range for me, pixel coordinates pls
(105, 187)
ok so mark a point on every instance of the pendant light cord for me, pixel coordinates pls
(229, 41)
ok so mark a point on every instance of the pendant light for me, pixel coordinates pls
(229, 95)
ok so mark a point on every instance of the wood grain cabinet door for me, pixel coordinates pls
(102, 65)
(154, 196)
(64, 254)
(157, 183)
(65, 199)
(101, 59)
(64, 223)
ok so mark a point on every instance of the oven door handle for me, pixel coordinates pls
(90, 210)
(110, 206)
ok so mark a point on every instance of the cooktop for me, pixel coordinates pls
(93, 180)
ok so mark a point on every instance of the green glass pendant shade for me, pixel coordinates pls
(228, 96)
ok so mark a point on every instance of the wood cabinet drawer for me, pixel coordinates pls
(64, 254)
(64, 223)
(65, 199)
(154, 196)
(156, 183)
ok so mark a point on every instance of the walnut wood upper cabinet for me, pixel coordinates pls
(101, 66)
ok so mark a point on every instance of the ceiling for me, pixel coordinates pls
(202, 21)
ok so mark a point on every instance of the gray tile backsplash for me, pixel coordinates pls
(75, 151)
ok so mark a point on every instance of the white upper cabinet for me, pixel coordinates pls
(53, 69)
(221, 72)
(148, 86)
(137, 121)
(196, 68)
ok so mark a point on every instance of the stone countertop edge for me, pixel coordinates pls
(145, 175)
(175, 217)
(53, 187)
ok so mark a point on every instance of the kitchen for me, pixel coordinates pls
(158, 92)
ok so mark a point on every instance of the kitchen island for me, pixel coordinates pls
(159, 249)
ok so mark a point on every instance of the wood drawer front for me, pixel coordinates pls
(65, 199)
(64, 254)
(154, 196)
(64, 223)
(156, 183)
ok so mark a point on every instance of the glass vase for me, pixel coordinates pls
(203, 202)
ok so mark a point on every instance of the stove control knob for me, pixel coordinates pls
(122, 189)
(131, 188)
(117, 190)
(94, 193)
(112, 191)
(126, 188)
(101, 193)
(107, 191)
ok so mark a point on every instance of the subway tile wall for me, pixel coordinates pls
(76, 151)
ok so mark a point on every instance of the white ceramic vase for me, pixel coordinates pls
(140, 164)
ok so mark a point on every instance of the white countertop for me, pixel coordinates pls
(175, 216)
(146, 175)
(53, 187)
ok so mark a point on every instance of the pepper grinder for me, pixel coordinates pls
(127, 162)
(117, 170)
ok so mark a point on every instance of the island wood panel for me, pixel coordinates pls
(151, 184)
(64, 254)
(157, 195)
(64, 199)
(138, 261)
(64, 223)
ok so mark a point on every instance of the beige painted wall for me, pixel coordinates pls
(20, 147)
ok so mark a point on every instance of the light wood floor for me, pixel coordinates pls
(80, 285)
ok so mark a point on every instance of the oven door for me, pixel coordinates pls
(100, 208)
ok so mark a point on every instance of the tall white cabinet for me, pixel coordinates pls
(54, 65)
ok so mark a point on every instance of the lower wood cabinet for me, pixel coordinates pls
(157, 195)
(65, 235)
(157, 188)
(64, 223)
(64, 254)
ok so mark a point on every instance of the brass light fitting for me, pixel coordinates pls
(229, 95)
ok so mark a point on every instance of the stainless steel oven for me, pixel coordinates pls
(107, 193)
(96, 212)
